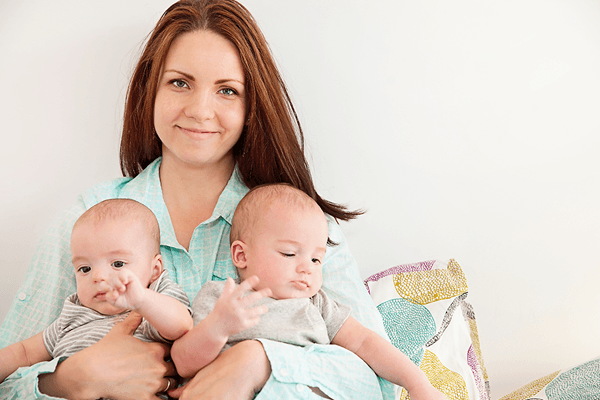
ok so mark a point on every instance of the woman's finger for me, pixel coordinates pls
(176, 393)
(160, 350)
(127, 326)
(170, 384)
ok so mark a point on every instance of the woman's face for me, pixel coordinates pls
(200, 106)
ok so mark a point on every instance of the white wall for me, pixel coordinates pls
(468, 129)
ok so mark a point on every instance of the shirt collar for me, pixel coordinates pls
(230, 197)
(146, 189)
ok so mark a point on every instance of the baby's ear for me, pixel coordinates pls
(238, 254)
(157, 267)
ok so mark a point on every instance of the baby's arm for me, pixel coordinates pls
(167, 315)
(22, 354)
(386, 360)
(233, 313)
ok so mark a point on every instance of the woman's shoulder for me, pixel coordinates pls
(335, 230)
(147, 183)
(106, 190)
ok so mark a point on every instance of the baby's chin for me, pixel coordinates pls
(294, 294)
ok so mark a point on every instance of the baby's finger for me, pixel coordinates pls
(256, 296)
(257, 311)
(229, 287)
(112, 296)
(125, 276)
(117, 284)
(104, 286)
(252, 321)
(247, 285)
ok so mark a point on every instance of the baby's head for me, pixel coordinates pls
(112, 235)
(280, 234)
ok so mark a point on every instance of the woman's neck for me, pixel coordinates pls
(191, 193)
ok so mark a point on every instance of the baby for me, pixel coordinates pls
(118, 267)
(279, 238)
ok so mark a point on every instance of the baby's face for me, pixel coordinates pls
(101, 249)
(286, 252)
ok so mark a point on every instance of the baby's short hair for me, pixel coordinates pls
(113, 209)
(248, 211)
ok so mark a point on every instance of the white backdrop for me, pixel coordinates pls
(467, 129)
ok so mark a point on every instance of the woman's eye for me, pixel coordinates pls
(118, 264)
(228, 92)
(84, 269)
(179, 83)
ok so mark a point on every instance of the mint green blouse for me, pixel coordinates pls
(50, 279)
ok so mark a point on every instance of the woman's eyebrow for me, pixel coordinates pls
(188, 76)
(220, 81)
(192, 79)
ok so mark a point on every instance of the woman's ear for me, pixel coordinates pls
(157, 267)
(238, 254)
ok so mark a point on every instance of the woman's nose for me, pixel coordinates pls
(200, 106)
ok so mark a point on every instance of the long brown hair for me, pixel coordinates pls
(271, 147)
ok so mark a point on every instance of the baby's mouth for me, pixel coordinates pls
(302, 285)
(100, 296)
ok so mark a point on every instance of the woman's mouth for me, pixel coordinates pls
(197, 133)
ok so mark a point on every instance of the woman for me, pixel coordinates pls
(207, 117)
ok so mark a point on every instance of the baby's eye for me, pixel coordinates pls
(316, 261)
(288, 255)
(228, 91)
(118, 264)
(85, 269)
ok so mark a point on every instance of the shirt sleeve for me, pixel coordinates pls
(334, 314)
(338, 372)
(23, 383)
(49, 280)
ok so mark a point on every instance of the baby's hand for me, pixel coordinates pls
(234, 309)
(126, 291)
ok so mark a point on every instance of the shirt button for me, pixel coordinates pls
(22, 296)
(283, 372)
(299, 387)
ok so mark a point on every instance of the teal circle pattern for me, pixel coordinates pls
(579, 383)
(408, 325)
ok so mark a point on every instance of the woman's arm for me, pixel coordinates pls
(237, 373)
(22, 354)
(119, 366)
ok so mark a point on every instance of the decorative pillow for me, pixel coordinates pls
(426, 316)
(579, 383)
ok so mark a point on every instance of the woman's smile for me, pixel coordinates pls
(198, 133)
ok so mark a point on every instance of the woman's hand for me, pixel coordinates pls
(119, 366)
(237, 373)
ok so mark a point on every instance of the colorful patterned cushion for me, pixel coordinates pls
(579, 383)
(426, 316)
